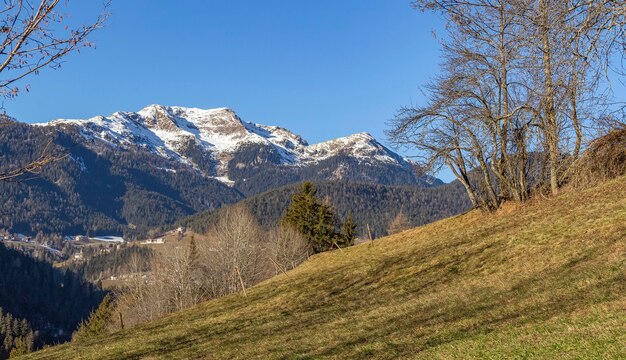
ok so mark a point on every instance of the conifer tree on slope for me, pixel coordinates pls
(97, 322)
(316, 221)
(324, 236)
(16, 336)
(20, 348)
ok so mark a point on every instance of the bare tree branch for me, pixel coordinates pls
(37, 36)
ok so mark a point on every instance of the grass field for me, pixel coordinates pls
(542, 280)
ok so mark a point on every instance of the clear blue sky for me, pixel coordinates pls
(323, 68)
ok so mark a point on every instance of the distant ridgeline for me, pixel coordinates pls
(133, 171)
(373, 204)
(49, 302)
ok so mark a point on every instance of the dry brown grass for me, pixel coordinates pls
(535, 281)
(604, 159)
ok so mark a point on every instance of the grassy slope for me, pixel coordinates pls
(545, 280)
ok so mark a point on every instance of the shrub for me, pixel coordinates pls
(605, 159)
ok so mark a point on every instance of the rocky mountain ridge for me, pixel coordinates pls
(210, 140)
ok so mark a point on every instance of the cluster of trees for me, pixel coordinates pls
(264, 171)
(235, 254)
(118, 260)
(317, 221)
(522, 84)
(95, 190)
(53, 301)
(16, 336)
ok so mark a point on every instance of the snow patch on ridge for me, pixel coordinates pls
(167, 130)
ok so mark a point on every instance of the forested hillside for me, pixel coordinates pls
(16, 336)
(99, 190)
(264, 175)
(376, 205)
(122, 260)
(52, 301)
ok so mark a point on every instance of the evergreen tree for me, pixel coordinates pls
(348, 232)
(302, 212)
(324, 230)
(16, 336)
(97, 322)
(20, 348)
(311, 218)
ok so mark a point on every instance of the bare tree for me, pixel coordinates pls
(141, 298)
(36, 35)
(519, 86)
(234, 254)
(288, 248)
(569, 45)
(399, 223)
(180, 276)
(174, 283)
(474, 121)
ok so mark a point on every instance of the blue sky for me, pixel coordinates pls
(322, 68)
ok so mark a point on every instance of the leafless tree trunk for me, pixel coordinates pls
(174, 284)
(180, 275)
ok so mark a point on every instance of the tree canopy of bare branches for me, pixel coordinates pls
(522, 85)
(236, 254)
(36, 36)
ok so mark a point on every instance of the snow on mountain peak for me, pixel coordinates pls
(360, 145)
(169, 130)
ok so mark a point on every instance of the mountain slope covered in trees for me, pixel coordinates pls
(52, 301)
(373, 204)
(253, 157)
(96, 189)
(545, 279)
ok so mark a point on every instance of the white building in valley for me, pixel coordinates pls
(154, 241)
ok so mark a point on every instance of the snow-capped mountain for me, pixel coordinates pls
(218, 144)
(132, 171)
